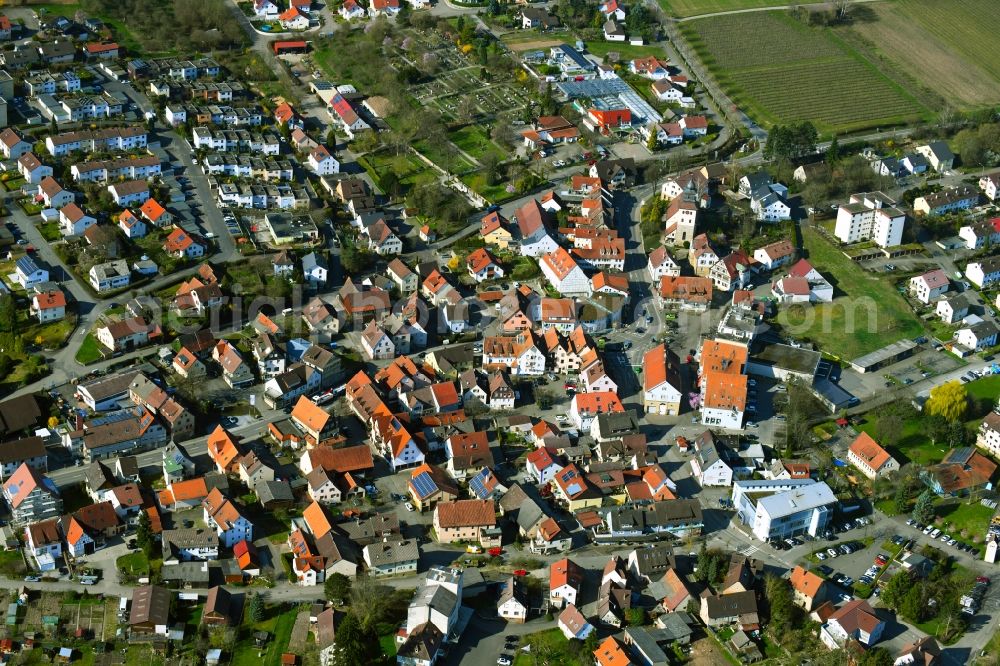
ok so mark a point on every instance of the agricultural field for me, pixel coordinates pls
(686, 8)
(948, 47)
(866, 314)
(780, 70)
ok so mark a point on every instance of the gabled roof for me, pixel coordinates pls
(310, 415)
(806, 582)
(317, 519)
(565, 572)
(23, 482)
(856, 615)
(466, 513)
(868, 450)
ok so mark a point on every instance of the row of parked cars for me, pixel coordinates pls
(973, 599)
(935, 533)
(843, 549)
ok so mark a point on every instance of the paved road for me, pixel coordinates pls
(816, 5)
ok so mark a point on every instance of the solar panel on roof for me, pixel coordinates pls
(423, 484)
(478, 484)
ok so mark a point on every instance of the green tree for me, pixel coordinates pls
(781, 604)
(949, 400)
(652, 143)
(923, 509)
(331, 138)
(875, 657)
(703, 560)
(902, 496)
(255, 608)
(914, 607)
(833, 152)
(337, 586)
(548, 100)
(144, 535)
(356, 645)
(636, 616)
(895, 590)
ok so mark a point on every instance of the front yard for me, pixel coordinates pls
(91, 351)
(866, 314)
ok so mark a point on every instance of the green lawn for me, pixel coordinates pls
(52, 335)
(388, 643)
(407, 167)
(90, 350)
(11, 563)
(601, 48)
(279, 625)
(474, 140)
(823, 79)
(866, 314)
(50, 231)
(914, 446)
(135, 564)
(554, 646)
(494, 193)
(964, 520)
(986, 387)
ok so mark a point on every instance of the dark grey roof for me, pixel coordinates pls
(150, 604)
(423, 643)
(393, 552)
(655, 558)
(512, 590)
(731, 605)
(274, 491)
(21, 449)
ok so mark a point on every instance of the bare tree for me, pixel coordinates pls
(843, 9)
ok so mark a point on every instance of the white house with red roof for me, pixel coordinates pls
(49, 305)
(613, 9)
(53, 195)
(650, 67)
(293, 19)
(322, 162)
(694, 125)
(342, 112)
(131, 225)
(383, 8)
(661, 264)
(774, 255)
(180, 244)
(854, 620)
(535, 238)
(585, 407)
(542, 465)
(929, 286)
(483, 266)
(73, 221)
(12, 144)
(351, 10)
(661, 390)
(265, 9)
(563, 272)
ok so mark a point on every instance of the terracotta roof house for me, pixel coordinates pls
(869, 458)
(809, 589)
(854, 620)
(961, 471)
(466, 520)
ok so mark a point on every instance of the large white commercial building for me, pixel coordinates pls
(870, 216)
(782, 508)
